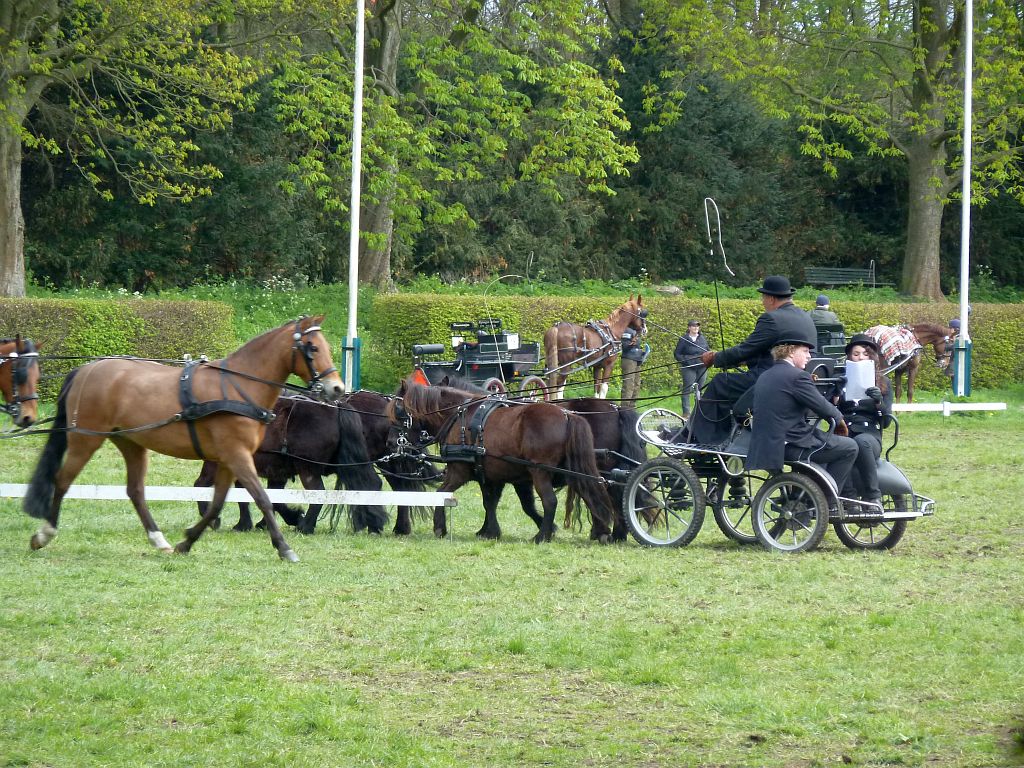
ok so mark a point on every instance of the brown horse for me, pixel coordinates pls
(522, 444)
(901, 345)
(19, 375)
(569, 347)
(216, 410)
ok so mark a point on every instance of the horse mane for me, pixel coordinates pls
(929, 327)
(304, 322)
(423, 401)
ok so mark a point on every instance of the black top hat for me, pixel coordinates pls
(796, 339)
(862, 340)
(777, 285)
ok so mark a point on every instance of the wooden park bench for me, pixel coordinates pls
(829, 276)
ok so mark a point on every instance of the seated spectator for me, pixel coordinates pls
(865, 418)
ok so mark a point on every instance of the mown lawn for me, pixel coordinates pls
(424, 652)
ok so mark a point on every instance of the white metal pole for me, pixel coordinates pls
(357, 155)
(963, 343)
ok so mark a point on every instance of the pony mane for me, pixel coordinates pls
(422, 401)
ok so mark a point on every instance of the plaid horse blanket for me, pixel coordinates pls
(896, 342)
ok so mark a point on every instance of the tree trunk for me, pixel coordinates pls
(375, 263)
(12, 224)
(926, 164)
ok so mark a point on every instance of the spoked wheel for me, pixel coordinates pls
(532, 388)
(663, 503)
(730, 500)
(495, 386)
(790, 513)
(881, 534)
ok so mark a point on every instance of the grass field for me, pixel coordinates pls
(424, 652)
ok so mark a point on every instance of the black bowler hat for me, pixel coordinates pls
(862, 340)
(776, 285)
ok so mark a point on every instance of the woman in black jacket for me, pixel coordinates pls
(865, 418)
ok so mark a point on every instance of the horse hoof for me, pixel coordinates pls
(37, 541)
(440, 533)
(290, 556)
(182, 548)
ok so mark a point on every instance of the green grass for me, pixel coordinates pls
(420, 652)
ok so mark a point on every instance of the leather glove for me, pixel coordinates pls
(708, 358)
(874, 393)
(841, 429)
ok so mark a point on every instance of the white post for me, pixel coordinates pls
(357, 155)
(962, 377)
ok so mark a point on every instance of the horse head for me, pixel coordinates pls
(316, 367)
(635, 314)
(940, 337)
(19, 376)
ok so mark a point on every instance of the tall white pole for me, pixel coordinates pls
(962, 372)
(352, 354)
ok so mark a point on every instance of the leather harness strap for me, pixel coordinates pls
(192, 411)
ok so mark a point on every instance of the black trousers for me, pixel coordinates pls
(836, 457)
(712, 420)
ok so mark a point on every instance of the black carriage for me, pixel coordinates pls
(485, 354)
(665, 498)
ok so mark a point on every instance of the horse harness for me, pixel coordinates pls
(192, 410)
(20, 363)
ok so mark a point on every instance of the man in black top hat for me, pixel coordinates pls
(711, 422)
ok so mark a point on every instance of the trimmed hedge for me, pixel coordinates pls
(401, 320)
(82, 328)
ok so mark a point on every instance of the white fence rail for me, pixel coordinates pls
(947, 408)
(277, 495)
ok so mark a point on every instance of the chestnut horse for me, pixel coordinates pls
(19, 375)
(900, 348)
(522, 444)
(213, 410)
(569, 347)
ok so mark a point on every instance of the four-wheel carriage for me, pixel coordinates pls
(665, 498)
(485, 354)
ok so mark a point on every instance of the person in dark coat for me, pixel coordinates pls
(689, 349)
(711, 423)
(633, 354)
(865, 418)
(781, 431)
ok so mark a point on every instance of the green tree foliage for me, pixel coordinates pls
(121, 87)
(465, 87)
(888, 76)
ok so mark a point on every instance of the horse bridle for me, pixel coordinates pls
(20, 363)
(307, 348)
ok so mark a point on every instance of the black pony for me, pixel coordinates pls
(403, 470)
(310, 440)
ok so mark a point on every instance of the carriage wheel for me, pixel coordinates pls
(881, 534)
(663, 503)
(790, 513)
(733, 513)
(533, 389)
(495, 386)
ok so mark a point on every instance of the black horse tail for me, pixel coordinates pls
(356, 472)
(585, 478)
(630, 444)
(39, 497)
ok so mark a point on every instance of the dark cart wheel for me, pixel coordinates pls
(494, 385)
(663, 503)
(790, 513)
(883, 534)
(731, 506)
(532, 388)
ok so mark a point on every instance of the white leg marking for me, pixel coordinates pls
(44, 536)
(156, 538)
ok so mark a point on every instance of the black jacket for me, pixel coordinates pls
(782, 397)
(866, 416)
(632, 348)
(786, 322)
(688, 351)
